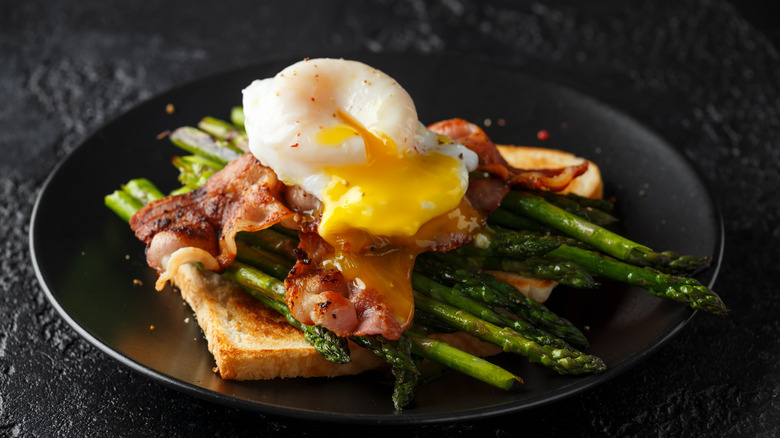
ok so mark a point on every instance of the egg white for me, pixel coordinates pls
(284, 115)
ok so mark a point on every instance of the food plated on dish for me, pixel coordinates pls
(380, 237)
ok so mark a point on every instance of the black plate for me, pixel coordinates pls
(87, 259)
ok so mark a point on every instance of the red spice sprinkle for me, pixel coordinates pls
(294, 145)
(312, 99)
(542, 135)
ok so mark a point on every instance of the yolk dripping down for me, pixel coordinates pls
(380, 215)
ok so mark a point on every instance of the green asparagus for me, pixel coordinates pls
(451, 357)
(234, 137)
(683, 289)
(601, 238)
(453, 297)
(561, 361)
(398, 355)
(200, 143)
(466, 277)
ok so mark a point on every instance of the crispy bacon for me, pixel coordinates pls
(201, 226)
(244, 196)
(486, 195)
(322, 296)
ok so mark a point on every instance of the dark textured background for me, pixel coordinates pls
(703, 74)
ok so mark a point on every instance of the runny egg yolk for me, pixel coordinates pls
(379, 215)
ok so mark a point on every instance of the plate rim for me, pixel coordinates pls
(404, 418)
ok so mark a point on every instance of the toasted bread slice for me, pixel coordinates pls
(588, 185)
(250, 341)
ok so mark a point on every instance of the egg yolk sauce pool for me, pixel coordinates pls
(390, 189)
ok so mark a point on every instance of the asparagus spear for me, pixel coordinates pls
(143, 190)
(268, 262)
(519, 243)
(194, 171)
(451, 357)
(505, 218)
(237, 116)
(593, 210)
(561, 271)
(234, 137)
(200, 143)
(683, 289)
(524, 252)
(123, 204)
(273, 241)
(509, 340)
(599, 237)
(398, 355)
(466, 278)
(461, 301)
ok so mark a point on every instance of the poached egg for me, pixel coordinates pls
(349, 135)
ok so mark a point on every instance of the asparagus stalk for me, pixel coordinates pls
(234, 137)
(398, 355)
(273, 241)
(451, 357)
(523, 252)
(237, 116)
(519, 243)
(561, 271)
(268, 262)
(505, 218)
(529, 308)
(683, 289)
(123, 204)
(143, 190)
(599, 237)
(200, 143)
(509, 340)
(453, 297)
(194, 171)
(593, 210)
(466, 278)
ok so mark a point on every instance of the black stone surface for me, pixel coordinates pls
(703, 73)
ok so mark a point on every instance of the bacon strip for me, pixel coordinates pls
(486, 195)
(244, 196)
(201, 226)
(323, 296)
